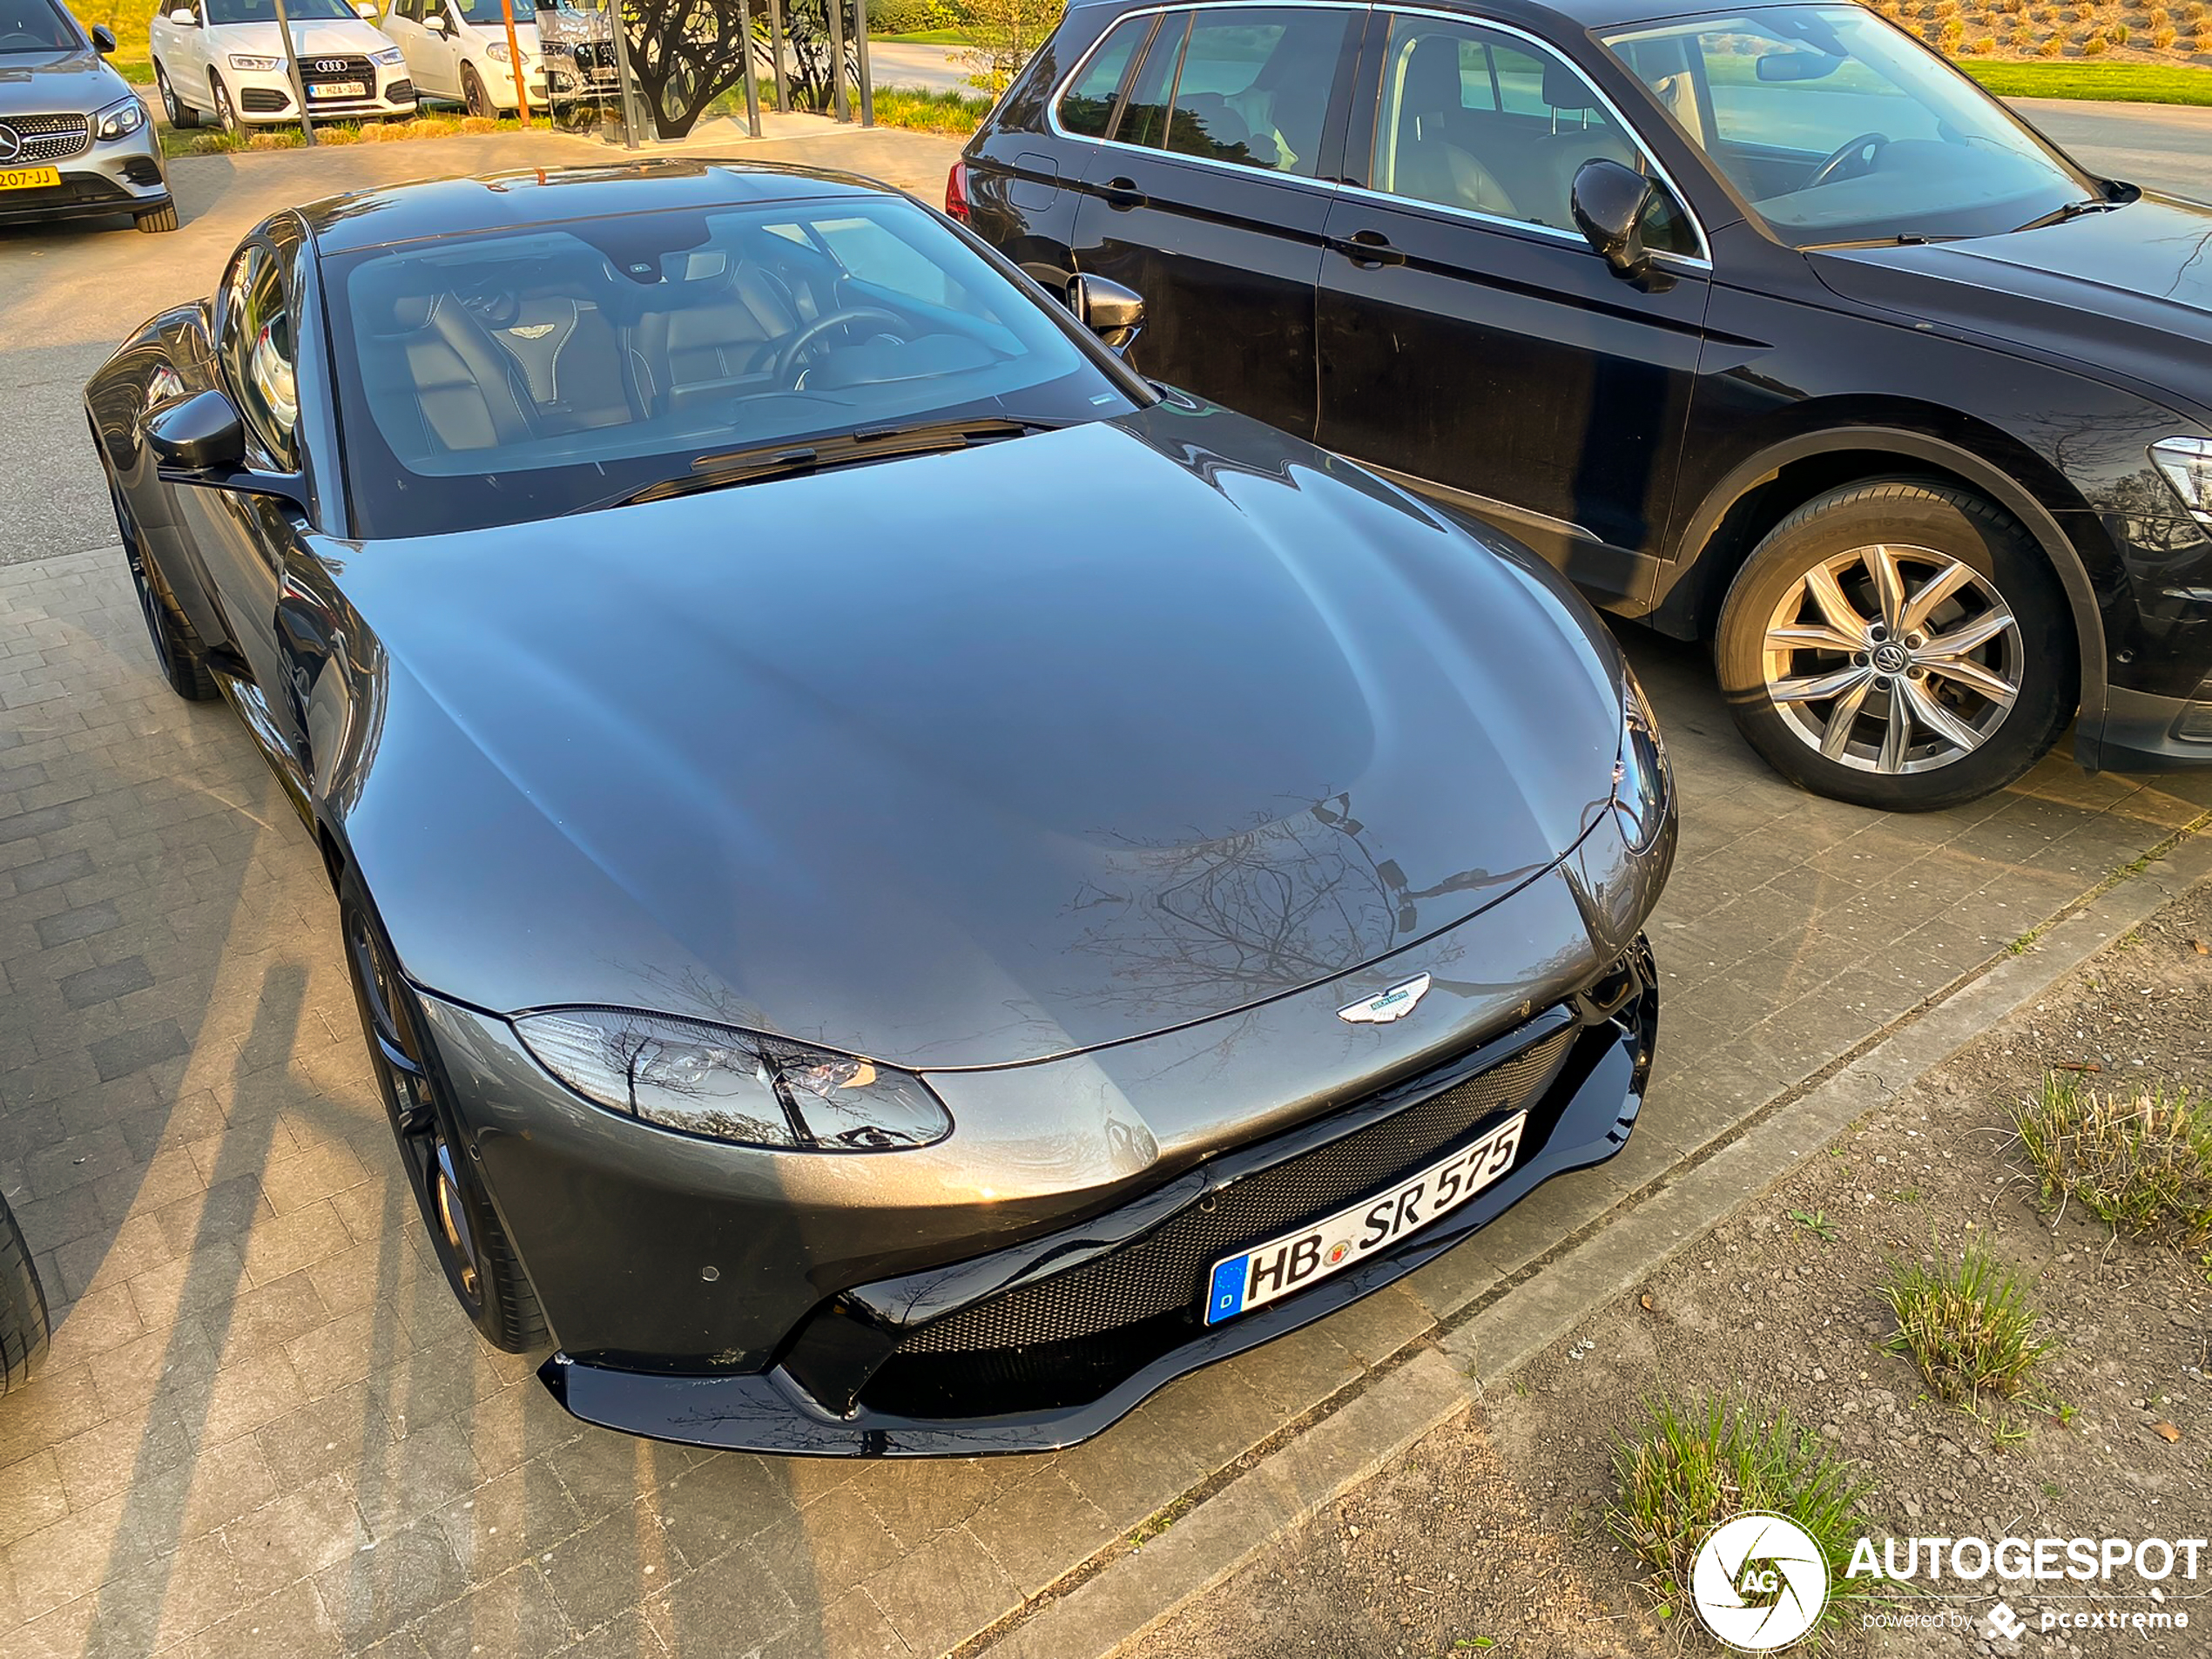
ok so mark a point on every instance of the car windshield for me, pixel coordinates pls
(298, 11)
(515, 375)
(34, 26)
(1838, 128)
(493, 13)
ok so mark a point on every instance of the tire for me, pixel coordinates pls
(176, 647)
(1942, 726)
(163, 217)
(481, 1266)
(23, 1307)
(226, 111)
(179, 114)
(474, 99)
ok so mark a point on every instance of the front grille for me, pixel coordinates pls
(313, 70)
(76, 190)
(48, 137)
(1164, 1270)
(399, 92)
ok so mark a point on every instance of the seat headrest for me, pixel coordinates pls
(1565, 90)
(1432, 78)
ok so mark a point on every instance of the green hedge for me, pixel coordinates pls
(914, 16)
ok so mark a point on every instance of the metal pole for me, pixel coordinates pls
(861, 45)
(292, 69)
(622, 75)
(515, 62)
(835, 11)
(776, 52)
(752, 81)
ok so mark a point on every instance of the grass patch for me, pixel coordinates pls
(1689, 1469)
(1969, 1328)
(929, 38)
(2116, 83)
(957, 113)
(218, 143)
(2140, 1161)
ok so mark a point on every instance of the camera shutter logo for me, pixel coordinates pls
(1759, 1583)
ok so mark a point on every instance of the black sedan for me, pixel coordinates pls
(1762, 323)
(905, 887)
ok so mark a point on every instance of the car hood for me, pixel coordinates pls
(973, 759)
(75, 83)
(2127, 291)
(337, 37)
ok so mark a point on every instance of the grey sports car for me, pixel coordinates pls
(906, 884)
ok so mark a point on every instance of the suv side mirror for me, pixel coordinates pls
(1608, 202)
(182, 16)
(437, 23)
(1115, 313)
(199, 440)
(365, 10)
(102, 39)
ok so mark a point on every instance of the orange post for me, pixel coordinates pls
(515, 63)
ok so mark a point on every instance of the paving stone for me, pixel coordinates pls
(508, 1520)
(385, 1585)
(515, 1614)
(618, 1561)
(939, 1595)
(311, 1527)
(1042, 1529)
(51, 872)
(132, 1051)
(80, 923)
(31, 1497)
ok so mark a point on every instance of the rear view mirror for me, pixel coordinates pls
(102, 39)
(1795, 66)
(1609, 202)
(1115, 313)
(200, 441)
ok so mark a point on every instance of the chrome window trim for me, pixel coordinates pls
(1701, 260)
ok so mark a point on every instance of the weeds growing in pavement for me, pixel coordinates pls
(2141, 1160)
(1968, 1327)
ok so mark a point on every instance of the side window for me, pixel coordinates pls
(1474, 119)
(1144, 112)
(1254, 86)
(254, 342)
(1088, 105)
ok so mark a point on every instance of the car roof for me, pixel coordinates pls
(528, 198)
(1548, 16)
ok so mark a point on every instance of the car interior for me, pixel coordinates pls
(538, 341)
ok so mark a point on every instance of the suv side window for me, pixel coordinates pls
(1087, 106)
(1472, 119)
(254, 342)
(1248, 85)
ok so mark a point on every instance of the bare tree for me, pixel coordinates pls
(687, 53)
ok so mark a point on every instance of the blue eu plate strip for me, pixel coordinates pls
(1226, 1297)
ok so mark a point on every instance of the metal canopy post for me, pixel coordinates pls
(835, 9)
(751, 82)
(860, 44)
(292, 69)
(776, 53)
(624, 85)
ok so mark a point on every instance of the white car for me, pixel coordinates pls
(457, 49)
(222, 62)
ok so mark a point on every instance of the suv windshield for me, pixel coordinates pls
(299, 11)
(514, 376)
(1836, 127)
(34, 26)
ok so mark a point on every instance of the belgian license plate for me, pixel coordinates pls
(1254, 1278)
(337, 89)
(28, 178)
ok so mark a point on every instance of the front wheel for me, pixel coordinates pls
(481, 1266)
(176, 647)
(1900, 644)
(163, 217)
(225, 113)
(472, 93)
(179, 114)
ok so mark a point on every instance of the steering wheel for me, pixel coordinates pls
(1866, 148)
(16, 37)
(796, 346)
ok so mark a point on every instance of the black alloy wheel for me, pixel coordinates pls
(176, 647)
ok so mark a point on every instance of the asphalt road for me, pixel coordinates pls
(2161, 146)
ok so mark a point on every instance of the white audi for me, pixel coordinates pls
(221, 63)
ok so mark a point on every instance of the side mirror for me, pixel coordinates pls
(182, 18)
(1115, 313)
(365, 10)
(1608, 202)
(437, 23)
(200, 441)
(102, 39)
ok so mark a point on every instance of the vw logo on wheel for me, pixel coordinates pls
(1759, 1583)
(10, 144)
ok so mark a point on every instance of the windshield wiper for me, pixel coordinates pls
(762, 461)
(2070, 210)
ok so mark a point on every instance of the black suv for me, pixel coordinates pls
(1766, 325)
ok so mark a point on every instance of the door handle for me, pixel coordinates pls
(1367, 249)
(1123, 192)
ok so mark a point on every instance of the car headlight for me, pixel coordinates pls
(388, 56)
(253, 61)
(2186, 463)
(731, 1085)
(499, 53)
(1640, 784)
(120, 120)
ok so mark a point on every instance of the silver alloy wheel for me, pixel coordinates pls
(226, 113)
(168, 95)
(1892, 658)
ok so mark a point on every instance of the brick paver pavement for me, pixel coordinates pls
(264, 1427)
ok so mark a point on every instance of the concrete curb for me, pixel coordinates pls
(1141, 1588)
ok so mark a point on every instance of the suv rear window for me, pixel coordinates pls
(1088, 105)
(1246, 85)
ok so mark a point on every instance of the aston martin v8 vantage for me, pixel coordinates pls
(905, 885)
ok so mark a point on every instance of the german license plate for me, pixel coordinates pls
(1253, 1278)
(28, 178)
(337, 89)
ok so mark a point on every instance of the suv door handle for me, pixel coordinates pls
(1123, 192)
(1367, 249)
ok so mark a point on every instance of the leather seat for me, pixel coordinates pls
(1429, 162)
(716, 334)
(1558, 156)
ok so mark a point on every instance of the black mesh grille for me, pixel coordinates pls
(142, 170)
(263, 100)
(48, 137)
(1163, 1270)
